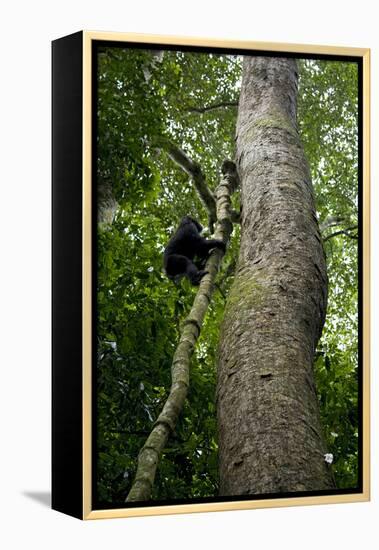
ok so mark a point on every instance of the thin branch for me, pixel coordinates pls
(331, 221)
(220, 290)
(343, 232)
(207, 108)
(230, 269)
(193, 169)
(180, 370)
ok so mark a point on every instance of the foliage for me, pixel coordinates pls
(328, 116)
(146, 98)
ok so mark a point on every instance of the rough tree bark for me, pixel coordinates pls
(270, 437)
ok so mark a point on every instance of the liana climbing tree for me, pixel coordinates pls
(180, 370)
(166, 122)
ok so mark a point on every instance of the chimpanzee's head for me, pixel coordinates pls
(188, 219)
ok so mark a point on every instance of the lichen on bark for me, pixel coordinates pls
(270, 436)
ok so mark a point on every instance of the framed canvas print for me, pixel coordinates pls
(210, 275)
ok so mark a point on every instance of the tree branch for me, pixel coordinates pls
(230, 269)
(180, 370)
(219, 288)
(207, 108)
(331, 221)
(343, 232)
(193, 169)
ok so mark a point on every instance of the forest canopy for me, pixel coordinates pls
(150, 102)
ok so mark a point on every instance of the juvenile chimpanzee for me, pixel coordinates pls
(185, 248)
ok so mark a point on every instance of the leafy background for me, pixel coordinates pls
(145, 99)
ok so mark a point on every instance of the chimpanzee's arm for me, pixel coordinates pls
(204, 246)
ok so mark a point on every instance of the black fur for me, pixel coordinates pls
(187, 251)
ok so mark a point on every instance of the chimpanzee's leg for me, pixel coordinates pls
(177, 265)
(200, 262)
(194, 274)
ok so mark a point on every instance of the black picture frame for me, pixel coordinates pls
(73, 266)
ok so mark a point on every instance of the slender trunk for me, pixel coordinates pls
(149, 455)
(270, 437)
(106, 203)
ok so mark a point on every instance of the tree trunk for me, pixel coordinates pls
(106, 203)
(270, 437)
